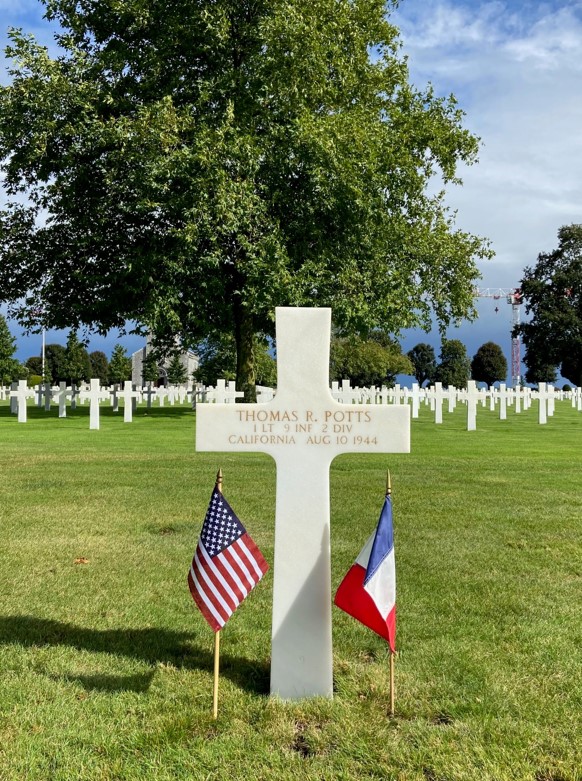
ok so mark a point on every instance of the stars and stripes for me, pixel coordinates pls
(227, 564)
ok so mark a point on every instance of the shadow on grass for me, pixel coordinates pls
(152, 645)
(110, 683)
(82, 412)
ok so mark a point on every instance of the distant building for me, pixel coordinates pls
(188, 359)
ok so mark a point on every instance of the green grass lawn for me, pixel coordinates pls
(106, 666)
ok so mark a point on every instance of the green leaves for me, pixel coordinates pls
(367, 362)
(489, 364)
(454, 367)
(186, 163)
(552, 290)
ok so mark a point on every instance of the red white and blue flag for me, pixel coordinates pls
(368, 591)
(227, 564)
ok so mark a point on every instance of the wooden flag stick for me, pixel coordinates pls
(391, 684)
(216, 668)
(388, 493)
(217, 634)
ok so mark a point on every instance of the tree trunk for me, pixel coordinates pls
(245, 354)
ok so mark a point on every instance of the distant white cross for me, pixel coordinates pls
(517, 395)
(472, 396)
(438, 399)
(543, 403)
(21, 394)
(48, 396)
(303, 428)
(149, 392)
(502, 395)
(62, 394)
(223, 394)
(415, 399)
(128, 395)
(551, 400)
(95, 395)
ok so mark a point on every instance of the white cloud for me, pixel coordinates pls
(516, 70)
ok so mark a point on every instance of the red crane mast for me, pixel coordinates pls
(513, 296)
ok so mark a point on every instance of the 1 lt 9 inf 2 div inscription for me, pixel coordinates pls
(303, 428)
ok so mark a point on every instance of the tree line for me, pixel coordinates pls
(71, 363)
(488, 365)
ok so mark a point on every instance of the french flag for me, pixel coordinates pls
(368, 591)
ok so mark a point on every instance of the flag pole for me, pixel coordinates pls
(389, 493)
(216, 634)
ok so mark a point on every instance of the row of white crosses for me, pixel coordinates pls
(435, 396)
(92, 393)
(224, 392)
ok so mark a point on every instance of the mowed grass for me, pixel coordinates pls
(106, 666)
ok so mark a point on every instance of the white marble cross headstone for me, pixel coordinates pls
(492, 398)
(303, 428)
(517, 395)
(12, 395)
(383, 395)
(438, 399)
(223, 393)
(415, 399)
(48, 395)
(63, 392)
(431, 397)
(543, 403)
(95, 395)
(502, 395)
(551, 400)
(21, 394)
(150, 392)
(128, 395)
(472, 396)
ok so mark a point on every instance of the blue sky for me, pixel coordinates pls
(516, 70)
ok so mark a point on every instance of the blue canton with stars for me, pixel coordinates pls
(221, 526)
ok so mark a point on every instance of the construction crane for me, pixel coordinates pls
(513, 296)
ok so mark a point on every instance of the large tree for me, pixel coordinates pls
(489, 364)
(56, 363)
(367, 362)
(119, 365)
(99, 366)
(423, 362)
(177, 372)
(34, 365)
(191, 165)
(217, 356)
(552, 291)
(77, 361)
(454, 366)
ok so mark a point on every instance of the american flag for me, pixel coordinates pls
(227, 564)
